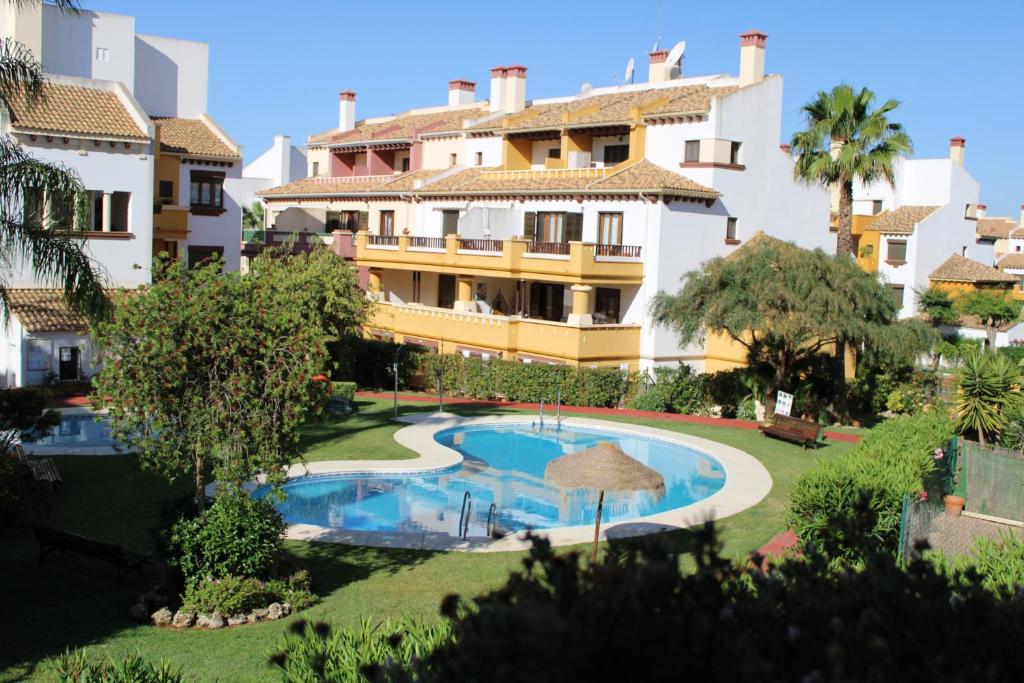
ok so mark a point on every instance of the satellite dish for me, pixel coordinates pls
(675, 54)
(630, 68)
(586, 87)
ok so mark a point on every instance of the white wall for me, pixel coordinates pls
(89, 44)
(224, 230)
(490, 147)
(171, 76)
(279, 164)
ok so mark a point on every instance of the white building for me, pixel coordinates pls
(279, 164)
(127, 112)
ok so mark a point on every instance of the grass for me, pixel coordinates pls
(77, 603)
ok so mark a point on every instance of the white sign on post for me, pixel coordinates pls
(783, 403)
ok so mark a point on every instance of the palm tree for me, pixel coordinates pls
(847, 140)
(55, 257)
(989, 392)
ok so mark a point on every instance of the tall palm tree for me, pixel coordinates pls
(55, 256)
(848, 140)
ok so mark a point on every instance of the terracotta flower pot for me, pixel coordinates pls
(954, 505)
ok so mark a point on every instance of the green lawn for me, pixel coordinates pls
(47, 608)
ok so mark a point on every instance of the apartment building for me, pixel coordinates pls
(127, 112)
(539, 230)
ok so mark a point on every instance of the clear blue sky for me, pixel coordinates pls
(277, 67)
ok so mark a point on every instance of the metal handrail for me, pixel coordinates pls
(492, 513)
(467, 508)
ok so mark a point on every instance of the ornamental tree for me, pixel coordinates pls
(993, 308)
(786, 305)
(211, 373)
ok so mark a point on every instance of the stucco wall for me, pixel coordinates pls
(437, 152)
(171, 76)
(89, 44)
(224, 230)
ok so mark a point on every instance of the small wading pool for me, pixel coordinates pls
(78, 431)
(504, 465)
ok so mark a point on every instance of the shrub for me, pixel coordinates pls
(240, 595)
(747, 410)
(319, 652)
(894, 459)
(656, 399)
(1000, 563)
(368, 362)
(237, 536)
(345, 391)
(1015, 352)
(75, 666)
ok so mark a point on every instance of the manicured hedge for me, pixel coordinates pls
(529, 382)
(894, 459)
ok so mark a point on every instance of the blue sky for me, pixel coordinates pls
(276, 67)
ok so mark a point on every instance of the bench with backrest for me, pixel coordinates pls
(804, 432)
(56, 540)
(41, 469)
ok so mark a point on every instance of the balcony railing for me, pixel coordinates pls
(623, 250)
(493, 246)
(559, 248)
(427, 243)
(382, 240)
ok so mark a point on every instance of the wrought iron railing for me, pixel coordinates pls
(561, 248)
(624, 250)
(382, 240)
(471, 244)
(427, 242)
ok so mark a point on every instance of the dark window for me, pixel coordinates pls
(730, 228)
(387, 222)
(555, 153)
(574, 227)
(609, 228)
(897, 252)
(692, 152)
(546, 301)
(606, 304)
(734, 152)
(416, 286)
(342, 220)
(876, 207)
(897, 293)
(405, 164)
(449, 222)
(316, 169)
(34, 210)
(479, 158)
(453, 159)
(530, 226)
(445, 291)
(206, 191)
(166, 189)
(615, 154)
(198, 255)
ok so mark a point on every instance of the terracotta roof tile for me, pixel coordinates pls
(995, 228)
(76, 110)
(959, 269)
(44, 310)
(401, 127)
(192, 136)
(323, 185)
(900, 221)
(1013, 260)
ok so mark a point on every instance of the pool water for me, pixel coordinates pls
(79, 431)
(504, 466)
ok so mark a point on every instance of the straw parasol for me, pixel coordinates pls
(604, 467)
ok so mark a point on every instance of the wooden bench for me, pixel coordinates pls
(804, 432)
(55, 540)
(42, 469)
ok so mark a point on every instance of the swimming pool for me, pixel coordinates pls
(78, 431)
(503, 465)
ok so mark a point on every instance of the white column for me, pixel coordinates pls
(107, 210)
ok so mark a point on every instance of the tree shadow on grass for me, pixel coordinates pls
(335, 565)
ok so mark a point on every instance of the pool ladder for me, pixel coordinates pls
(558, 412)
(467, 509)
(492, 521)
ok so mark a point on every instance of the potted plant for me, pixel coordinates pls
(954, 503)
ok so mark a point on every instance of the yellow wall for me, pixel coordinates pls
(516, 154)
(954, 289)
(721, 352)
(167, 167)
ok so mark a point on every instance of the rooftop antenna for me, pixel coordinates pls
(675, 55)
(630, 68)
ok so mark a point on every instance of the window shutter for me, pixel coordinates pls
(530, 225)
(574, 227)
(364, 220)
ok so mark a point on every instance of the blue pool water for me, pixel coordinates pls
(79, 431)
(503, 465)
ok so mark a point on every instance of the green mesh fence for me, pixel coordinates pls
(994, 479)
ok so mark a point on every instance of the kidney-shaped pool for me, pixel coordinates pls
(503, 471)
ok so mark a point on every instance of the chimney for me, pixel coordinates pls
(346, 110)
(956, 150)
(786, 148)
(981, 211)
(497, 88)
(752, 57)
(1022, 214)
(515, 89)
(461, 91)
(656, 71)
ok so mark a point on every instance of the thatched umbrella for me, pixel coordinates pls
(604, 467)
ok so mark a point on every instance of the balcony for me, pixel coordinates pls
(340, 241)
(511, 336)
(170, 222)
(571, 262)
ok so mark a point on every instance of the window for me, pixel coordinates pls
(615, 154)
(445, 291)
(166, 189)
(609, 228)
(417, 289)
(102, 54)
(206, 193)
(450, 222)
(734, 153)
(33, 210)
(453, 159)
(546, 301)
(692, 153)
(897, 252)
(897, 293)
(554, 153)
(387, 222)
(405, 164)
(345, 220)
(479, 158)
(606, 305)
(876, 207)
(730, 229)
(316, 169)
(552, 226)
